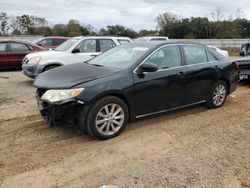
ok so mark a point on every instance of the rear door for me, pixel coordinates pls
(17, 53)
(203, 70)
(4, 59)
(105, 45)
(165, 88)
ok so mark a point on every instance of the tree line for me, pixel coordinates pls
(168, 24)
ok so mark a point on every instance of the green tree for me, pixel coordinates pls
(26, 24)
(4, 22)
(59, 30)
(73, 28)
(118, 30)
(166, 23)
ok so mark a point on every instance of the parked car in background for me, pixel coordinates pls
(222, 52)
(74, 50)
(133, 81)
(244, 67)
(152, 38)
(12, 52)
(245, 49)
(50, 42)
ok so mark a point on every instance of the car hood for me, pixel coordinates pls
(68, 76)
(43, 53)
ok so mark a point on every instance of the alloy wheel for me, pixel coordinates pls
(109, 119)
(219, 95)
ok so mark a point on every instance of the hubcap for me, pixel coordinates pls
(219, 95)
(109, 119)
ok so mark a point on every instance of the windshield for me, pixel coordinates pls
(120, 57)
(67, 44)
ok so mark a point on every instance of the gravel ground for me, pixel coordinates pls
(193, 147)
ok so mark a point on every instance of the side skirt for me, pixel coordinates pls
(171, 109)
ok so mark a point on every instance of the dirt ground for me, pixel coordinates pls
(193, 147)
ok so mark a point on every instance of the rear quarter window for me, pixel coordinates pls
(123, 41)
(211, 57)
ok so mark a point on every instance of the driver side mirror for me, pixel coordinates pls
(76, 50)
(148, 67)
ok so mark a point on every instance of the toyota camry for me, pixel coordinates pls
(132, 81)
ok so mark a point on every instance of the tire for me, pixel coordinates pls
(49, 67)
(218, 95)
(107, 118)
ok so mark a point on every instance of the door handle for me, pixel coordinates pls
(216, 68)
(93, 55)
(181, 74)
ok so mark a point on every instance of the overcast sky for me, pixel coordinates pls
(136, 14)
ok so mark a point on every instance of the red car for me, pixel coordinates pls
(51, 42)
(12, 52)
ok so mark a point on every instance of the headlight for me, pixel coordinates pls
(35, 60)
(61, 95)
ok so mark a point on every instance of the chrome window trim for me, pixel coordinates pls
(173, 67)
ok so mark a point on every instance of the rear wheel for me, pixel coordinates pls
(107, 118)
(218, 95)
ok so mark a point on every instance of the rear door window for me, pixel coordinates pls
(106, 44)
(18, 47)
(194, 54)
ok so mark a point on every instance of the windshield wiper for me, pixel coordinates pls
(97, 65)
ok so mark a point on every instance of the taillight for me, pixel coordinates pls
(237, 65)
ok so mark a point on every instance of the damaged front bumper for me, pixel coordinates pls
(62, 113)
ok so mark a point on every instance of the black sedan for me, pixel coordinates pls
(132, 81)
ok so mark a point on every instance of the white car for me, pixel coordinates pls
(152, 38)
(222, 52)
(74, 50)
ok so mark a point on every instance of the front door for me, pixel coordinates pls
(165, 88)
(88, 50)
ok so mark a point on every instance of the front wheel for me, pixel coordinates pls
(107, 118)
(218, 95)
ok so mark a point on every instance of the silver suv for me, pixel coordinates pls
(74, 50)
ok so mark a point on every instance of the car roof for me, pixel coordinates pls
(53, 37)
(20, 41)
(108, 37)
(162, 43)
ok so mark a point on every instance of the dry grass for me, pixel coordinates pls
(232, 51)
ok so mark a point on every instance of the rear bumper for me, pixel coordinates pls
(244, 74)
(32, 70)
